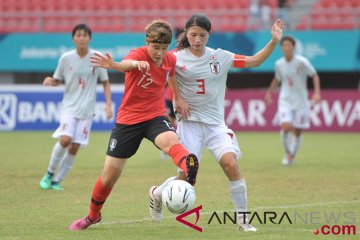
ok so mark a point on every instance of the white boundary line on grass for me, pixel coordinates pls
(253, 209)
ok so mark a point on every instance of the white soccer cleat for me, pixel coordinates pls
(244, 226)
(155, 205)
(285, 161)
(288, 160)
(247, 227)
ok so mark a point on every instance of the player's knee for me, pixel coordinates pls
(286, 127)
(166, 148)
(166, 140)
(231, 169)
(298, 132)
(65, 141)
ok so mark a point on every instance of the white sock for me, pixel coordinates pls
(238, 195)
(66, 164)
(56, 155)
(159, 189)
(296, 144)
(285, 138)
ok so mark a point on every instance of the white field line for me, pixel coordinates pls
(148, 219)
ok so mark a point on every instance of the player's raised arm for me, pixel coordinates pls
(263, 54)
(107, 62)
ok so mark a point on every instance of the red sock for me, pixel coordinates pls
(178, 154)
(98, 198)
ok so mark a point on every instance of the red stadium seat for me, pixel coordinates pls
(106, 24)
(59, 15)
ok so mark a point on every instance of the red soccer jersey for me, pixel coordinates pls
(144, 93)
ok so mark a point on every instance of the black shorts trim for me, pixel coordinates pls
(169, 108)
(126, 139)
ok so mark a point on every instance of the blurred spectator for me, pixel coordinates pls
(254, 14)
(265, 14)
(283, 7)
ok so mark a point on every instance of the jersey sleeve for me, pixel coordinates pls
(135, 55)
(59, 72)
(308, 67)
(103, 75)
(228, 57)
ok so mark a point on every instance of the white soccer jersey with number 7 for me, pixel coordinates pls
(202, 82)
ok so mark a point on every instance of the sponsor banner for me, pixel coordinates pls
(339, 111)
(40, 52)
(38, 108)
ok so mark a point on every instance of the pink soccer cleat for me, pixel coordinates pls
(83, 223)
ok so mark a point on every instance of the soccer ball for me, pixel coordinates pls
(178, 196)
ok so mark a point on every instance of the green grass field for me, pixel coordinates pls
(325, 180)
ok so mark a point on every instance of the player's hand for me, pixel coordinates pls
(277, 30)
(268, 98)
(142, 66)
(108, 111)
(182, 108)
(49, 81)
(99, 60)
(316, 98)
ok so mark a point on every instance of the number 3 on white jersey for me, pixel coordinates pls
(147, 82)
(201, 86)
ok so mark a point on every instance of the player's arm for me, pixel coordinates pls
(316, 81)
(107, 94)
(263, 54)
(268, 95)
(181, 106)
(107, 62)
(49, 81)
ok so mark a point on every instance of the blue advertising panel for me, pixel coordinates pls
(38, 108)
(327, 50)
(41, 51)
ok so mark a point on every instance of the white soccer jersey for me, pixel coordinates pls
(80, 79)
(293, 77)
(202, 82)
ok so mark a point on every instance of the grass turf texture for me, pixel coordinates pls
(324, 179)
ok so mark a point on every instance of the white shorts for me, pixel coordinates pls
(77, 129)
(298, 118)
(219, 139)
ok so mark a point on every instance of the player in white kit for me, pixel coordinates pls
(292, 72)
(201, 74)
(80, 78)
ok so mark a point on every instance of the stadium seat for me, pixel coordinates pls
(53, 14)
(106, 24)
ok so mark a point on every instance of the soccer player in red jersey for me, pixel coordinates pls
(141, 115)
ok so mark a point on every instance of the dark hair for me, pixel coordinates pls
(288, 38)
(198, 19)
(159, 31)
(81, 26)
